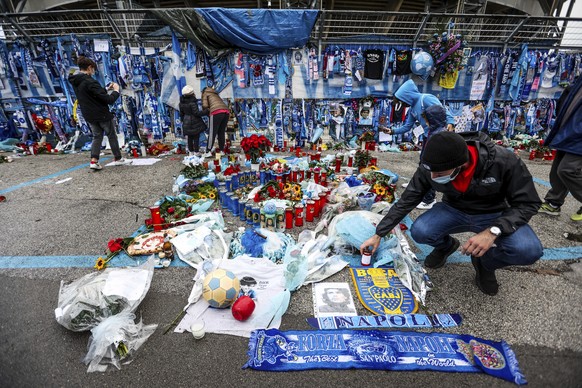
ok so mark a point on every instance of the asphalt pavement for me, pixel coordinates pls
(52, 229)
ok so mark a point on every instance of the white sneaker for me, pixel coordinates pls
(207, 155)
(95, 166)
(426, 206)
(121, 162)
(405, 185)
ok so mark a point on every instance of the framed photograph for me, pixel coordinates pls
(333, 299)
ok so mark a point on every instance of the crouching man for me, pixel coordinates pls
(486, 190)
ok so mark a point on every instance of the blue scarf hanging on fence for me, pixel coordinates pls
(274, 350)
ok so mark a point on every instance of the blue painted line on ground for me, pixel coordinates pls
(32, 262)
(565, 253)
(542, 182)
(44, 178)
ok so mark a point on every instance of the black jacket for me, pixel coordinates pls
(191, 116)
(501, 183)
(93, 98)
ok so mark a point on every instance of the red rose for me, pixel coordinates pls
(115, 245)
(171, 210)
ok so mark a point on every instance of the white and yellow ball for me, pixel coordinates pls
(220, 288)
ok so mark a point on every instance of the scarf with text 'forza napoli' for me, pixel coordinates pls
(274, 350)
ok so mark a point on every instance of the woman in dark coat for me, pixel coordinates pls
(191, 116)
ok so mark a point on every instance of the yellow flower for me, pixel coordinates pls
(202, 196)
(377, 186)
(100, 263)
(297, 189)
(287, 186)
(212, 195)
(381, 191)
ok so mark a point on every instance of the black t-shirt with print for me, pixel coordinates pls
(374, 64)
(403, 58)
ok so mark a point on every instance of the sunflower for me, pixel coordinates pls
(297, 189)
(287, 186)
(100, 263)
(381, 191)
(202, 196)
(212, 195)
(377, 186)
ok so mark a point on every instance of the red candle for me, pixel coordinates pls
(156, 218)
(288, 218)
(317, 209)
(310, 211)
(316, 176)
(323, 179)
(322, 200)
(308, 174)
(299, 215)
(294, 176)
(350, 161)
(373, 161)
(338, 164)
(297, 152)
(532, 155)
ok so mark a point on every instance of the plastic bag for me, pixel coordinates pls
(115, 341)
(352, 228)
(87, 301)
(202, 243)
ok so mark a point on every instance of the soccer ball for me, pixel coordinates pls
(422, 64)
(220, 288)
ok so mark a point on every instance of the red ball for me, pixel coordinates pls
(243, 308)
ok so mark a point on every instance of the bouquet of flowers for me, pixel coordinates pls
(192, 171)
(271, 189)
(255, 146)
(362, 158)
(447, 52)
(173, 209)
(366, 137)
(292, 191)
(279, 168)
(199, 192)
(158, 148)
(381, 186)
(232, 169)
(114, 247)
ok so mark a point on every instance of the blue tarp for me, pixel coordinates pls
(261, 31)
(257, 31)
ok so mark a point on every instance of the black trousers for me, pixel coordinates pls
(194, 143)
(217, 126)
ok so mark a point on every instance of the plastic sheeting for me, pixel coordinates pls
(218, 30)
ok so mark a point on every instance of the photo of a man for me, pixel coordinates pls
(334, 299)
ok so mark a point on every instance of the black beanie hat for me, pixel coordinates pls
(444, 151)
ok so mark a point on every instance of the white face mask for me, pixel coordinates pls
(443, 180)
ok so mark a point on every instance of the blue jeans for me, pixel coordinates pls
(434, 227)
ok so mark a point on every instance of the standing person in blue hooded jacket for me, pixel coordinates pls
(418, 102)
(566, 138)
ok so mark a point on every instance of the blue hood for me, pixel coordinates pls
(436, 116)
(408, 93)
